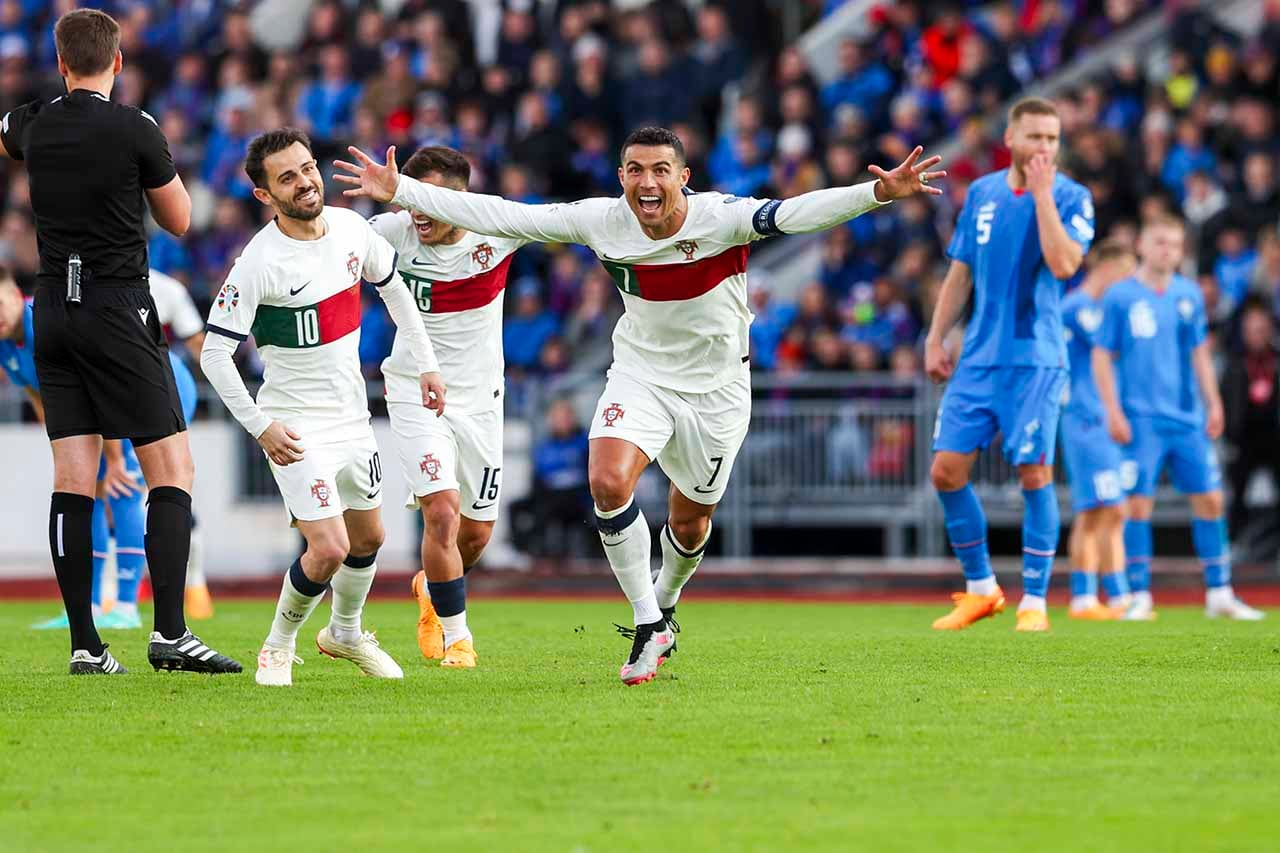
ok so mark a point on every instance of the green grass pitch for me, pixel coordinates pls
(775, 727)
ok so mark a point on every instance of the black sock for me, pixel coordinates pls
(71, 543)
(168, 548)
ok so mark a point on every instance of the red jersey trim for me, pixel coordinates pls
(465, 294)
(680, 281)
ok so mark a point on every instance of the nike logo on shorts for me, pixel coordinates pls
(478, 505)
(293, 292)
(373, 494)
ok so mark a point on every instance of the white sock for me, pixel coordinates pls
(628, 553)
(126, 608)
(292, 610)
(1032, 602)
(1219, 595)
(1083, 602)
(350, 590)
(677, 567)
(986, 586)
(1143, 599)
(455, 628)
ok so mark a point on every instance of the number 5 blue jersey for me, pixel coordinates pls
(20, 361)
(1016, 320)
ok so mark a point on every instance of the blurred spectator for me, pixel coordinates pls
(588, 329)
(1251, 403)
(863, 82)
(529, 326)
(327, 105)
(550, 521)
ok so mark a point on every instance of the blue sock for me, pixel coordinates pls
(131, 555)
(1137, 550)
(1115, 584)
(101, 534)
(1209, 535)
(1040, 524)
(449, 598)
(1083, 583)
(967, 530)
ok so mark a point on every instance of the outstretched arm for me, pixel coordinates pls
(483, 214)
(823, 209)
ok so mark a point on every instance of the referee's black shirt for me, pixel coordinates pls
(89, 161)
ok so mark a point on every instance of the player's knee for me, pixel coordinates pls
(1111, 517)
(440, 522)
(328, 553)
(367, 541)
(946, 475)
(609, 488)
(1139, 508)
(1207, 505)
(1032, 477)
(689, 532)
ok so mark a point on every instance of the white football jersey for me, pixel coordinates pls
(301, 302)
(459, 290)
(174, 306)
(686, 321)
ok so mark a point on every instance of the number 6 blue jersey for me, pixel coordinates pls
(1016, 320)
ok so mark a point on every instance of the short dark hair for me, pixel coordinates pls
(1032, 107)
(87, 41)
(1111, 249)
(451, 165)
(653, 136)
(263, 146)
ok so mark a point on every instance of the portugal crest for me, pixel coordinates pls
(320, 491)
(483, 255)
(353, 265)
(430, 466)
(612, 414)
(688, 247)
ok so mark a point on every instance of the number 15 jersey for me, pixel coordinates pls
(301, 302)
(1016, 320)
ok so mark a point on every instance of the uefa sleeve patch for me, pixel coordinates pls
(228, 297)
(765, 219)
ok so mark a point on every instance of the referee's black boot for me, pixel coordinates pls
(187, 654)
(83, 663)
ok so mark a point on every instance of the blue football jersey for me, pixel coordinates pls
(1081, 320)
(1152, 336)
(1016, 320)
(20, 361)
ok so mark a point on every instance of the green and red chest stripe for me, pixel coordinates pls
(464, 294)
(305, 326)
(678, 281)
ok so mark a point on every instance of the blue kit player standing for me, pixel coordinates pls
(1154, 368)
(1022, 232)
(1093, 460)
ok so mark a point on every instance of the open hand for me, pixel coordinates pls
(909, 178)
(117, 480)
(433, 389)
(281, 444)
(369, 178)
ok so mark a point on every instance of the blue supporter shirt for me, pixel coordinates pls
(1016, 320)
(1152, 336)
(1081, 320)
(19, 360)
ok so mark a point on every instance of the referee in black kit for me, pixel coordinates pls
(101, 356)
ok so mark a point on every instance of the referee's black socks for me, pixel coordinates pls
(168, 546)
(71, 543)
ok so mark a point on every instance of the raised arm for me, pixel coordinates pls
(483, 214)
(954, 295)
(822, 209)
(1063, 253)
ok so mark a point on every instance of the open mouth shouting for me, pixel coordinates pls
(650, 204)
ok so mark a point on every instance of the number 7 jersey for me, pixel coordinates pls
(301, 302)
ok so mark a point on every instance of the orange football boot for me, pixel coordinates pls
(1096, 612)
(430, 632)
(461, 654)
(199, 603)
(1032, 620)
(969, 609)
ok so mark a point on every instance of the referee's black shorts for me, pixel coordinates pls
(103, 363)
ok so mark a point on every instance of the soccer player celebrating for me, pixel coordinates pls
(1093, 459)
(296, 289)
(1022, 232)
(453, 463)
(679, 391)
(1162, 404)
